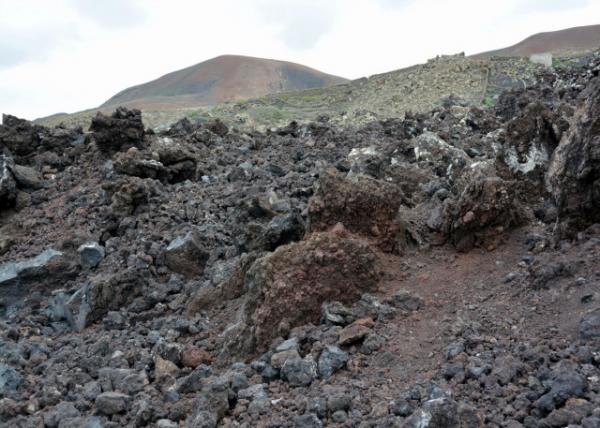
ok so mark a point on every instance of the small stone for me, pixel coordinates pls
(90, 255)
(339, 401)
(339, 417)
(254, 392)
(194, 381)
(589, 326)
(353, 333)
(308, 420)
(279, 358)
(10, 379)
(61, 411)
(287, 345)
(111, 403)
(298, 371)
(374, 342)
(331, 360)
(166, 423)
(401, 407)
(454, 349)
(407, 301)
(164, 369)
(192, 357)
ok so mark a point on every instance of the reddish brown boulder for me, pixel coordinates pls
(365, 206)
(286, 288)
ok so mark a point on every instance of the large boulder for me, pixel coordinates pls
(186, 255)
(19, 136)
(574, 171)
(365, 206)
(527, 146)
(102, 294)
(123, 129)
(286, 288)
(485, 210)
(48, 270)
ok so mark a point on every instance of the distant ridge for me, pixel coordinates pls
(571, 41)
(221, 79)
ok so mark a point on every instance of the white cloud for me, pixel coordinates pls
(69, 55)
(111, 13)
(301, 23)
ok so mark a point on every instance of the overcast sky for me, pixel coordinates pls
(68, 55)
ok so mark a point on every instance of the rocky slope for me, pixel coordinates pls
(436, 270)
(568, 42)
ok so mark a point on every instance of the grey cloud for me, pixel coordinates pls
(303, 22)
(111, 13)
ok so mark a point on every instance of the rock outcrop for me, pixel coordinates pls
(574, 172)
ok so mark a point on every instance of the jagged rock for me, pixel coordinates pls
(564, 385)
(136, 164)
(47, 270)
(331, 360)
(102, 294)
(10, 379)
(91, 254)
(308, 420)
(366, 207)
(432, 151)
(436, 413)
(20, 136)
(195, 380)
(406, 301)
(26, 177)
(337, 314)
(486, 209)
(286, 288)
(63, 410)
(212, 404)
(185, 255)
(365, 161)
(127, 195)
(281, 230)
(111, 403)
(279, 358)
(127, 381)
(528, 144)
(589, 325)
(574, 171)
(193, 357)
(299, 372)
(355, 332)
(217, 127)
(122, 129)
(8, 184)
(228, 282)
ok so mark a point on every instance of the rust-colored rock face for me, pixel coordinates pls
(365, 206)
(574, 172)
(287, 288)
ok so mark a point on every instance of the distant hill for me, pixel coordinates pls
(572, 41)
(222, 79)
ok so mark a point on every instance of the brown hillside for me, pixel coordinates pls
(222, 79)
(571, 41)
